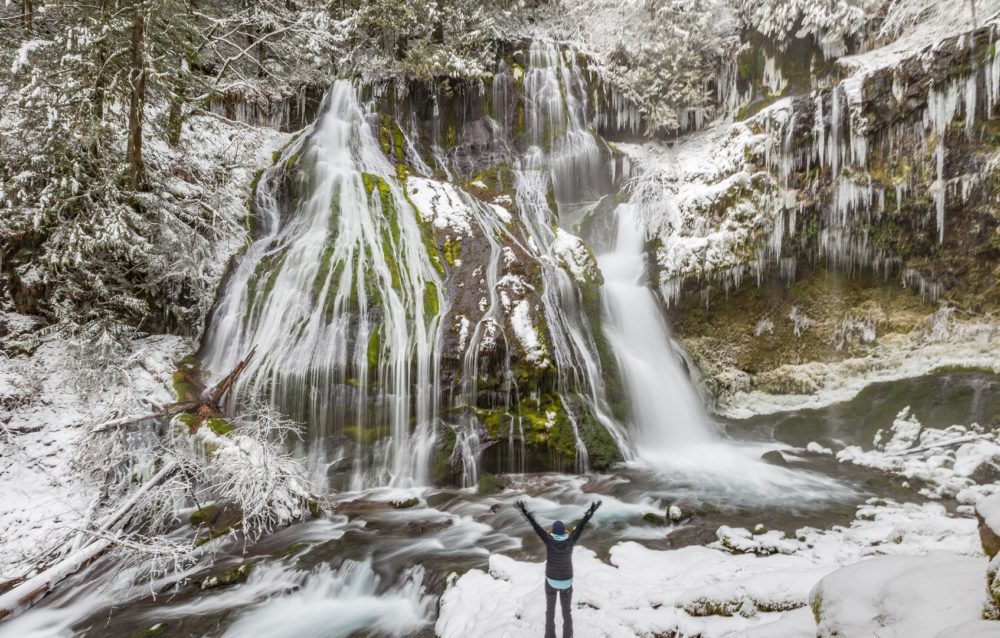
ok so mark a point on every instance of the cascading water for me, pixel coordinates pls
(665, 409)
(673, 436)
(342, 302)
(555, 112)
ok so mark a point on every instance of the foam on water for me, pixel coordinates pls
(339, 602)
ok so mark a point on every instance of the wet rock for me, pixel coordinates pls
(488, 484)
(229, 576)
(774, 457)
(654, 519)
(405, 503)
(441, 498)
(987, 472)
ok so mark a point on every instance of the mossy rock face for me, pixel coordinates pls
(216, 518)
(548, 436)
(204, 516)
(187, 378)
(654, 519)
(742, 340)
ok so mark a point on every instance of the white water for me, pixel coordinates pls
(665, 409)
(339, 603)
(333, 298)
(673, 437)
(555, 112)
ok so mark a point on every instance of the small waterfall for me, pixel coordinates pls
(666, 411)
(342, 301)
(555, 113)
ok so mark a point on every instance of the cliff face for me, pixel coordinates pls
(831, 224)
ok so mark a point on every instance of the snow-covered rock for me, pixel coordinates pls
(912, 596)
(988, 515)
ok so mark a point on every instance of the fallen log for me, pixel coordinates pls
(24, 594)
(170, 410)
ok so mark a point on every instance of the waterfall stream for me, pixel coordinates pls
(665, 409)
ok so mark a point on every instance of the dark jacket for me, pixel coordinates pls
(559, 554)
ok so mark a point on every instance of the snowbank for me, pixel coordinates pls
(912, 596)
(957, 461)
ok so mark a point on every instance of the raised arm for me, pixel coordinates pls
(542, 534)
(583, 523)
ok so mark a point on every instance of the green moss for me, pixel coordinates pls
(452, 251)
(189, 420)
(155, 630)
(323, 272)
(488, 484)
(374, 348)
(219, 425)
(614, 389)
(230, 576)
(430, 302)
(441, 469)
(205, 515)
(364, 434)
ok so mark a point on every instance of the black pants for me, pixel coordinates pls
(565, 599)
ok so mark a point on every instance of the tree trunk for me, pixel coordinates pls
(27, 15)
(175, 116)
(137, 100)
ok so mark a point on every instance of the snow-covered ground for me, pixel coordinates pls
(50, 408)
(927, 576)
(711, 591)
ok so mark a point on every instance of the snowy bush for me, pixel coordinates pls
(831, 22)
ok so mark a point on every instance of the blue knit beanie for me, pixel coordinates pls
(558, 528)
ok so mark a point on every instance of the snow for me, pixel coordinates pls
(642, 591)
(21, 59)
(440, 204)
(912, 596)
(527, 335)
(989, 509)
(944, 459)
(574, 255)
(46, 497)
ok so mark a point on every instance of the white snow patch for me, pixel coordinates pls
(912, 596)
(520, 319)
(440, 204)
(573, 254)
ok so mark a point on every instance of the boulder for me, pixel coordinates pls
(988, 515)
(774, 457)
(912, 596)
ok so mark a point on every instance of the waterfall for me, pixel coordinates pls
(555, 113)
(665, 409)
(342, 301)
